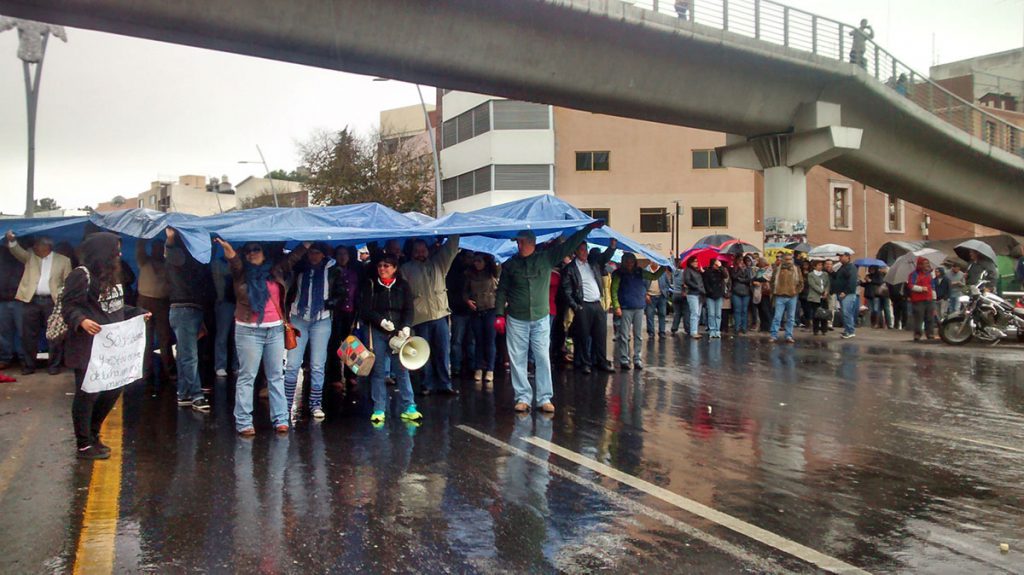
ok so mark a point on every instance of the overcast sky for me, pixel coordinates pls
(116, 113)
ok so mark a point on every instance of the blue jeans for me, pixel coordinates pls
(316, 334)
(658, 307)
(255, 345)
(378, 389)
(954, 304)
(10, 331)
(850, 306)
(484, 337)
(714, 315)
(186, 323)
(523, 337)
(693, 302)
(436, 374)
(461, 353)
(740, 311)
(784, 306)
(225, 316)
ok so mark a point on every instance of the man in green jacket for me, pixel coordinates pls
(523, 296)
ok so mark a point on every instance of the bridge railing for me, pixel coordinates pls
(794, 28)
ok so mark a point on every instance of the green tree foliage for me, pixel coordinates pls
(347, 169)
(46, 204)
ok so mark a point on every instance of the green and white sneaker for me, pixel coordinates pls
(377, 417)
(410, 414)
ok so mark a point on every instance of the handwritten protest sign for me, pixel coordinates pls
(117, 354)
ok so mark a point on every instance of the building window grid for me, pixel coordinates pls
(599, 214)
(894, 215)
(705, 160)
(841, 206)
(717, 217)
(653, 220)
(594, 161)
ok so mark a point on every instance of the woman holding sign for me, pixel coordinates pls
(260, 290)
(93, 297)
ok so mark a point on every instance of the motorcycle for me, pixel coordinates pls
(984, 316)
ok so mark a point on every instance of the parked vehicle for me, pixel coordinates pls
(983, 316)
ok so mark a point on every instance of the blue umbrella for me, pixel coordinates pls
(868, 262)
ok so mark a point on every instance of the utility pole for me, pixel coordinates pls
(32, 38)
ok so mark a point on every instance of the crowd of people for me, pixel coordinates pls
(264, 314)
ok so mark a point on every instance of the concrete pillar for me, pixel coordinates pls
(816, 137)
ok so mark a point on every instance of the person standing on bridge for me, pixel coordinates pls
(523, 297)
(860, 39)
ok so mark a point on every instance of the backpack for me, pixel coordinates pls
(56, 327)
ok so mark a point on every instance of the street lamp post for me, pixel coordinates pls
(269, 177)
(438, 209)
(32, 38)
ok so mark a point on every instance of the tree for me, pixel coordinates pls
(46, 204)
(87, 209)
(298, 175)
(347, 169)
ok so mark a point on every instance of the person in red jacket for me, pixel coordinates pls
(922, 298)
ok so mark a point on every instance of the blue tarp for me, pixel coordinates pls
(548, 207)
(487, 230)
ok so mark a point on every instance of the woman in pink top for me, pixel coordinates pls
(259, 333)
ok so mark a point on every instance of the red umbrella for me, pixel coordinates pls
(704, 256)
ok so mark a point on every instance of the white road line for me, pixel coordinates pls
(802, 552)
(763, 564)
(953, 437)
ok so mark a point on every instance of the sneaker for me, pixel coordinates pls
(638, 366)
(201, 405)
(184, 402)
(90, 452)
(377, 417)
(319, 413)
(410, 414)
(283, 428)
(447, 391)
(790, 340)
(99, 446)
(848, 335)
(489, 376)
(624, 366)
(222, 373)
(247, 432)
(478, 375)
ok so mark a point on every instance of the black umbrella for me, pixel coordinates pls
(963, 250)
(713, 241)
(802, 247)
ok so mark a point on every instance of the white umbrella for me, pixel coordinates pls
(826, 251)
(901, 268)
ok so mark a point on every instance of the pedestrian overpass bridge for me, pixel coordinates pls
(752, 68)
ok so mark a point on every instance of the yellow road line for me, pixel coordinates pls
(95, 551)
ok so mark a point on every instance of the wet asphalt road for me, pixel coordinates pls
(888, 456)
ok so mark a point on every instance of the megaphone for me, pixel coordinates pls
(413, 352)
(355, 356)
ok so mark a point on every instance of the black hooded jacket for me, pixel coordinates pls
(84, 298)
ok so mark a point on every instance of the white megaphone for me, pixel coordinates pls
(413, 352)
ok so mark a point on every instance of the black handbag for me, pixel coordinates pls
(822, 314)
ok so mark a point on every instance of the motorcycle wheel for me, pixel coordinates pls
(951, 329)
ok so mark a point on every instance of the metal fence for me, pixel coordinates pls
(785, 26)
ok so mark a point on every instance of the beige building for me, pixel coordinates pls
(256, 192)
(636, 174)
(190, 194)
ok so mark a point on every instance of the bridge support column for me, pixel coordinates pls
(817, 136)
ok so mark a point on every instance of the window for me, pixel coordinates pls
(599, 214)
(705, 160)
(513, 115)
(534, 177)
(466, 125)
(710, 217)
(894, 214)
(592, 161)
(841, 195)
(152, 200)
(465, 185)
(990, 132)
(653, 220)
